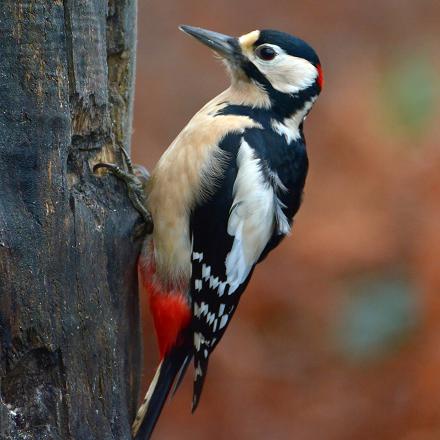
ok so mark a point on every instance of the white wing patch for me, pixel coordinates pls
(255, 212)
(288, 129)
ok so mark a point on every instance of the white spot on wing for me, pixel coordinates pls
(223, 321)
(206, 272)
(198, 285)
(221, 309)
(200, 310)
(199, 340)
(198, 256)
(204, 309)
(213, 282)
(210, 318)
(221, 288)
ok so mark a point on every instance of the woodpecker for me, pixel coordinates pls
(221, 197)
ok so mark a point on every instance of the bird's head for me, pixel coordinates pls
(284, 66)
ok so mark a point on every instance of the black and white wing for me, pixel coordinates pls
(230, 231)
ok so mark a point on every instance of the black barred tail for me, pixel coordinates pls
(170, 370)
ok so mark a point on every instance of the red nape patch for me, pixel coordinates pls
(320, 76)
(170, 310)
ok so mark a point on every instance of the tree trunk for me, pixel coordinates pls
(69, 323)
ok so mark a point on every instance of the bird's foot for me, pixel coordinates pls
(134, 177)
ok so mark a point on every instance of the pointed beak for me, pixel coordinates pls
(224, 45)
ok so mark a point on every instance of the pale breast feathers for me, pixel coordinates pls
(185, 174)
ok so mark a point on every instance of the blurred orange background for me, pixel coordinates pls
(338, 335)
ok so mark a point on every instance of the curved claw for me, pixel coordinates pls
(134, 187)
(127, 159)
(109, 166)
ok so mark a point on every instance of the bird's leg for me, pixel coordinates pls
(134, 177)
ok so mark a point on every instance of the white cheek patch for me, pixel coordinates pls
(287, 74)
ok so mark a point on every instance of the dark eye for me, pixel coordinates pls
(266, 53)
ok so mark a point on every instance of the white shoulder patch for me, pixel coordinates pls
(255, 212)
(289, 127)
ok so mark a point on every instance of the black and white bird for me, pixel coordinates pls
(221, 197)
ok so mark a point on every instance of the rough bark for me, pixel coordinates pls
(69, 324)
